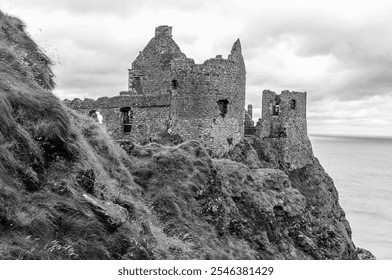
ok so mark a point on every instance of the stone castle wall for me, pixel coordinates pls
(168, 92)
(208, 103)
(284, 120)
(150, 114)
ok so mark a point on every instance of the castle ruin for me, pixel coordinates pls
(169, 94)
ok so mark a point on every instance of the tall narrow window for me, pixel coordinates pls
(293, 104)
(127, 117)
(223, 104)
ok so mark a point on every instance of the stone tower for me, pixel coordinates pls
(207, 100)
(284, 121)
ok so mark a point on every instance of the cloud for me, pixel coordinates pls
(368, 116)
(328, 53)
(117, 8)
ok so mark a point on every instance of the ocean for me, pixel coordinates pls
(362, 171)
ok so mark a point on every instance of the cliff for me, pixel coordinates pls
(68, 191)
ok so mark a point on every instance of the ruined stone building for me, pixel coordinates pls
(170, 93)
(284, 120)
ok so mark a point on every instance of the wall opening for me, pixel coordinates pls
(276, 107)
(127, 116)
(93, 114)
(223, 104)
(275, 110)
(96, 116)
(293, 104)
(174, 84)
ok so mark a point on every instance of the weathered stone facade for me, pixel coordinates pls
(284, 121)
(170, 93)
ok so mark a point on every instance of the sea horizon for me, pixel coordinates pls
(388, 137)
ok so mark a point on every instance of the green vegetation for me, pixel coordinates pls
(68, 191)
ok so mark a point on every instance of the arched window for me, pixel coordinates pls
(127, 116)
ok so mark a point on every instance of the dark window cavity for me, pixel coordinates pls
(223, 104)
(127, 116)
(174, 84)
(293, 104)
(276, 107)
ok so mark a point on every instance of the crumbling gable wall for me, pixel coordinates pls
(284, 121)
(151, 71)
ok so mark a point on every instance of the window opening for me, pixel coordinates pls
(293, 104)
(223, 104)
(127, 117)
(174, 84)
(96, 116)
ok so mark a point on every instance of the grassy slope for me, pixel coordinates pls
(51, 160)
(67, 191)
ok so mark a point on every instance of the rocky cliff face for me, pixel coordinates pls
(320, 229)
(244, 201)
(68, 191)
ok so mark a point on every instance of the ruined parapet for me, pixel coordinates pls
(284, 120)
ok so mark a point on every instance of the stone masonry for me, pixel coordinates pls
(284, 121)
(170, 93)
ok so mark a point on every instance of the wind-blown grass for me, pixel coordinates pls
(48, 157)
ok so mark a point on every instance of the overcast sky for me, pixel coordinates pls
(340, 52)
